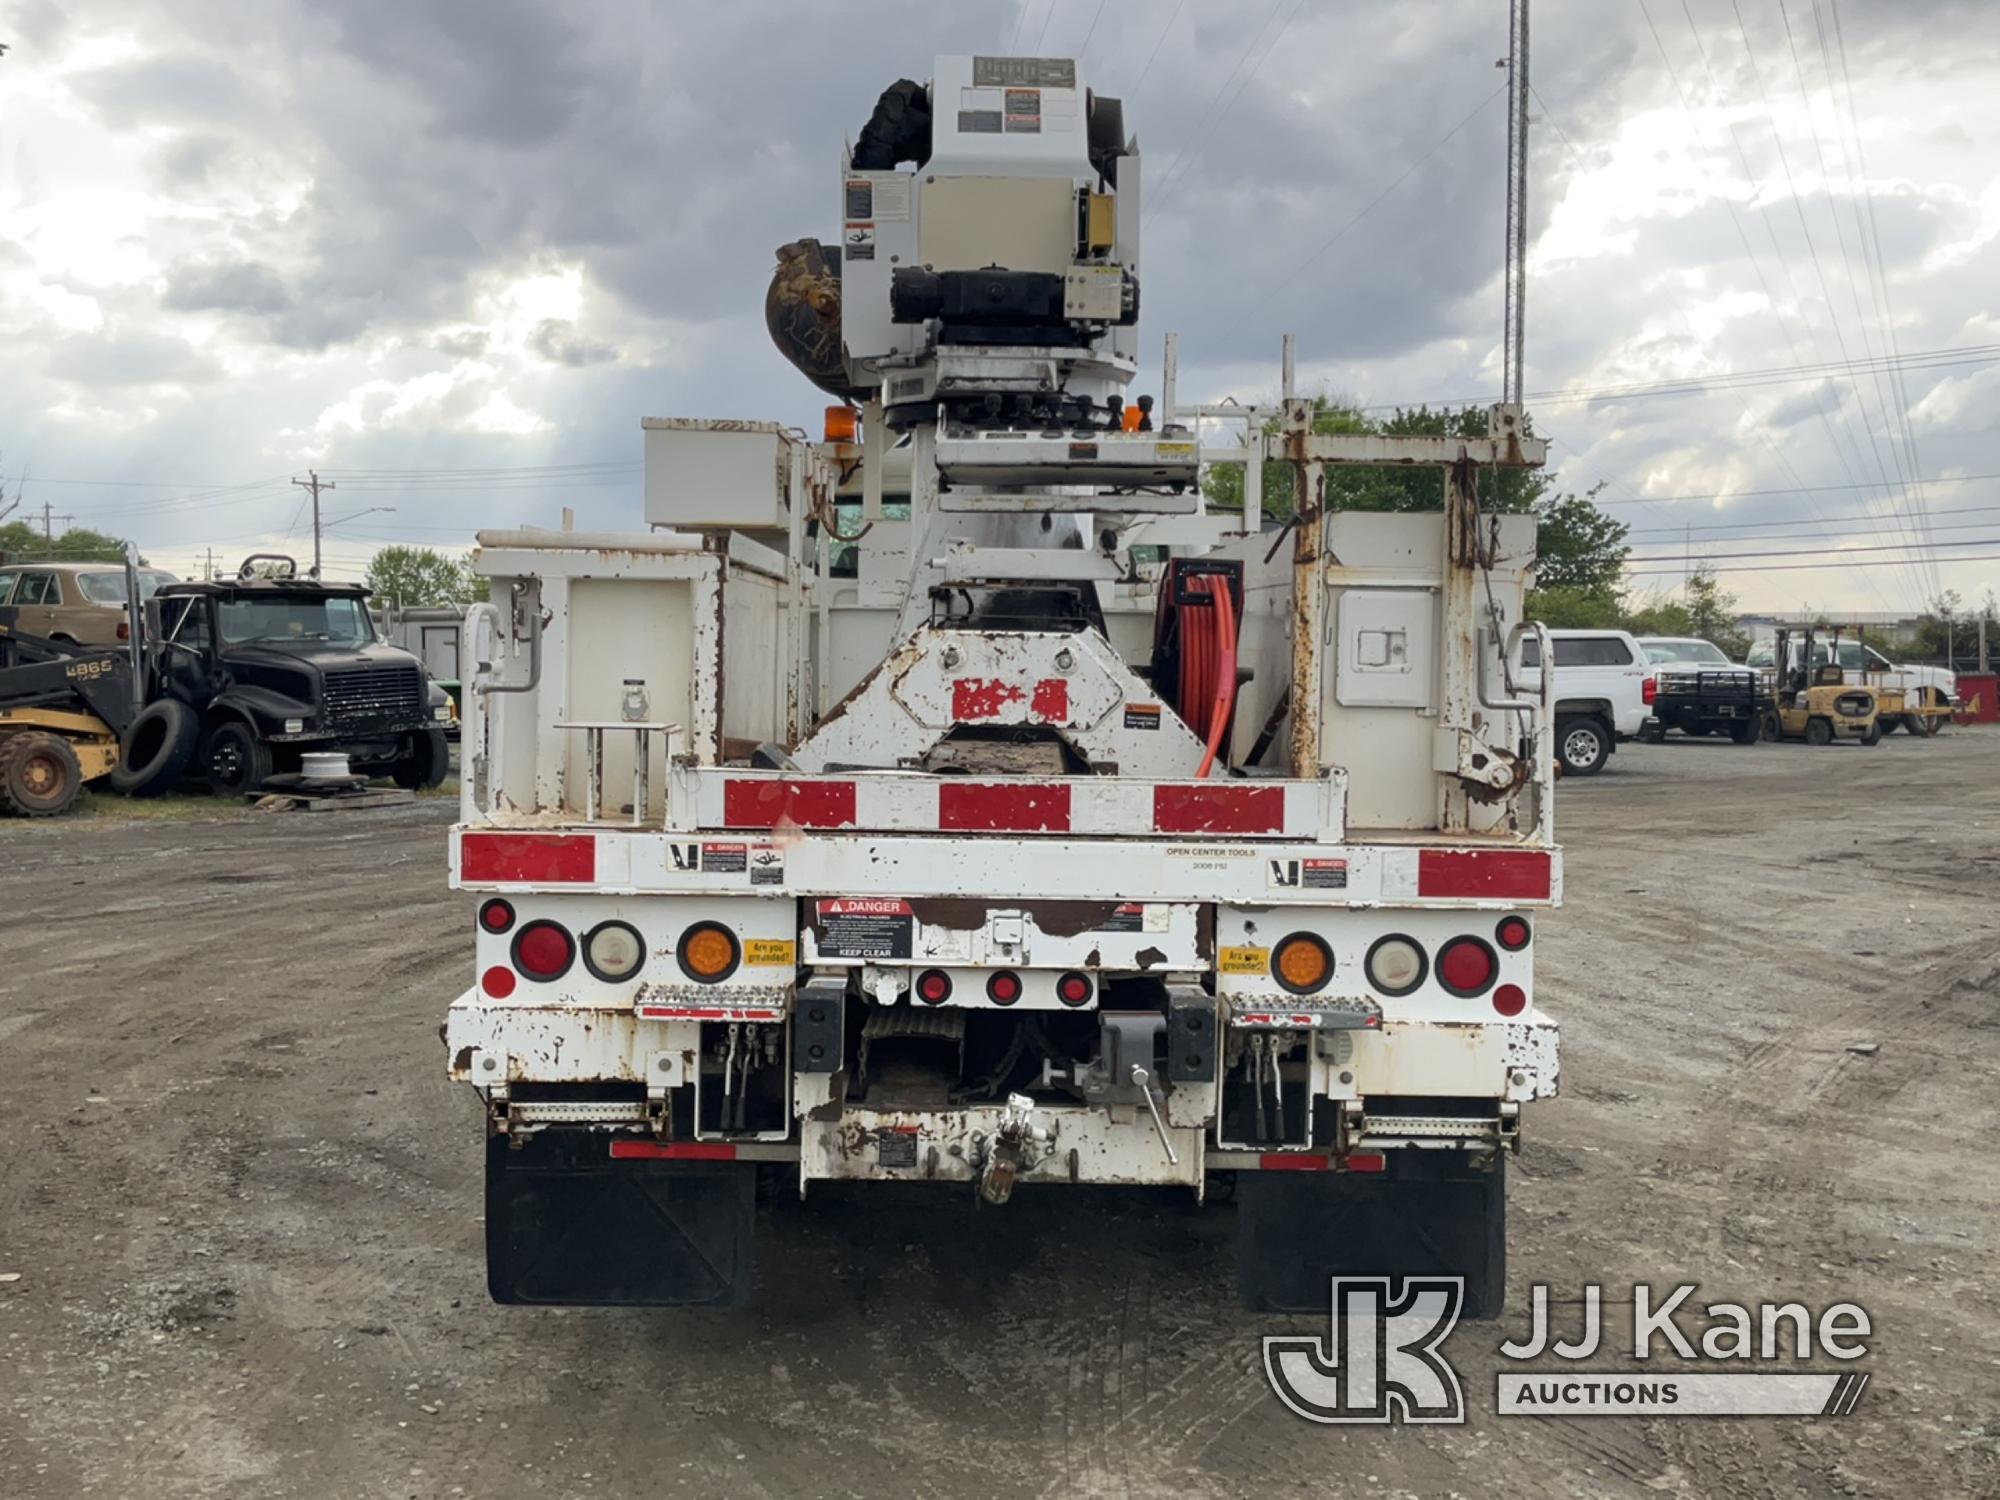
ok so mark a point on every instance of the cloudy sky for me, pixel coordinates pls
(450, 253)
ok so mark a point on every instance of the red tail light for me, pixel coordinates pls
(496, 915)
(1649, 690)
(544, 951)
(1467, 966)
(124, 630)
(498, 981)
(1004, 988)
(1510, 999)
(1512, 933)
(1074, 989)
(934, 986)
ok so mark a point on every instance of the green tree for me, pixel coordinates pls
(414, 577)
(1712, 614)
(20, 542)
(1945, 627)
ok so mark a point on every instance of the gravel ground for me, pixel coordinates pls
(243, 1207)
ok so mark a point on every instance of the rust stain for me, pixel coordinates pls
(1149, 958)
(462, 1062)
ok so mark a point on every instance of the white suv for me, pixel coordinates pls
(1600, 693)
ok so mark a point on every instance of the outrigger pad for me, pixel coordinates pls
(1432, 1216)
(568, 1226)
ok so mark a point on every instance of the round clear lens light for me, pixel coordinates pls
(614, 951)
(1395, 965)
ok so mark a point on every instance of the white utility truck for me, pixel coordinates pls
(958, 801)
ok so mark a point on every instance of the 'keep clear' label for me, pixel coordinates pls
(868, 927)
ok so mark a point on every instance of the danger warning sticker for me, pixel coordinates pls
(1306, 874)
(725, 859)
(864, 927)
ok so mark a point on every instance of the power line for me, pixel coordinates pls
(1743, 235)
(1368, 207)
(1249, 47)
(1984, 541)
(1801, 490)
(1819, 272)
(1795, 567)
(1724, 380)
(1083, 50)
(1133, 91)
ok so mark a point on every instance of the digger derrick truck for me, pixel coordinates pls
(959, 801)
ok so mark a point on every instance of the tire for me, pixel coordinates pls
(157, 746)
(39, 775)
(1819, 731)
(1582, 745)
(1874, 734)
(1774, 725)
(1746, 731)
(1923, 726)
(426, 763)
(1912, 724)
(234, 760)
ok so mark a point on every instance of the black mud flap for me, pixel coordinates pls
(1431, 1214)
(568, 1226)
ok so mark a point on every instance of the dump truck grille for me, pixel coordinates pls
(369, 694)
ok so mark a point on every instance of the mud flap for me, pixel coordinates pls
(568, 1226)
(1431, 1214)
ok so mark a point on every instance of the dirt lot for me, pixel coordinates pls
(243, 1204)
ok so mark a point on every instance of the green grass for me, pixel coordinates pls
(105, 808)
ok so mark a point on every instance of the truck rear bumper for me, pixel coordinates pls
(1350, 1101)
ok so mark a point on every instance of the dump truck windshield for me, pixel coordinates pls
(282, 620)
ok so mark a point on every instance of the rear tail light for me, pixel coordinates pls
(498, 981)
(1467, 966)
(497, 916)
(544, 950)
(1074, 989)
(613, 951)
(934, 986)
(708, 953)
(1510, 999)
(1302, 963)
(1649, 690)
(1004, 988)
(1513, 933)
(1395, 965)
(124, 630)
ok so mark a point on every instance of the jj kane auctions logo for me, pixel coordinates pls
(1382, 1358)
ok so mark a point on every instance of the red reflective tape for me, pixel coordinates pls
(1294, 1161)
(1483, 874)
(1218, 809)
(1050, 705)
(673, 1150)
(975, 698)
(1367, 1161)
(748, 803)
(527, 857)
(1000, 806)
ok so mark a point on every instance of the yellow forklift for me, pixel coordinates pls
(1811, 699)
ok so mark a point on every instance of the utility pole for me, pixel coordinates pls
(1512, 335)
(49, 520)
(208, 565)
(315, 484)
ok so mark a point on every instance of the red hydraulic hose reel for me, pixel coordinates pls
(1194, 648)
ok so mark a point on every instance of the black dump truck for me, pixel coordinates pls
(252, 673)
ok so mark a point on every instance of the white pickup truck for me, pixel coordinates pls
(1603, 693)
(1932, 688)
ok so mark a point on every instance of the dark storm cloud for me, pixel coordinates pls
(1806, 404)
(167, 90)
(560, 343)
(128, 359)
(239, 286)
